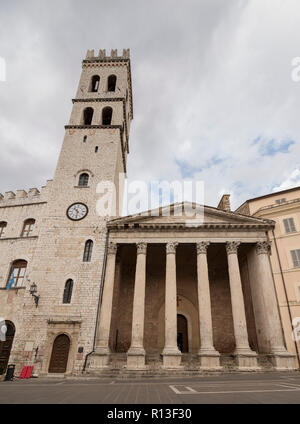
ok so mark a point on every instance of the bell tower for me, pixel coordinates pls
(96, 141)
(71, 245)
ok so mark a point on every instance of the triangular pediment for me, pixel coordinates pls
(189, 214)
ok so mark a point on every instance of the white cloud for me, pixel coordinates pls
(209, 77)
(293, 180)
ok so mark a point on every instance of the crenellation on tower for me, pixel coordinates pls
(20, 194)
(33, 192)
(9, 195)
(90, 55)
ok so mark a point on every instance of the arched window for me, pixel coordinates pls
(107, 116)
(28, 228)
(3, 226)
(68, 292)
(85, 139)
(95, 84)
(17, 272)
(88, 250)
(88, 116)
(84, 180)
(111, 83)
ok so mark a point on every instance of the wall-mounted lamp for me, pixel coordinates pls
(33, 292)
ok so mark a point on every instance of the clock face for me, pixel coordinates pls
(77, 211)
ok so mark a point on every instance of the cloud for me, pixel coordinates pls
(209, 77)
(293, 180)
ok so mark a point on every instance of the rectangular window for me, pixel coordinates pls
(289, 225)
(296, 257)
(18, 270)
(28, 228)
(278, 201)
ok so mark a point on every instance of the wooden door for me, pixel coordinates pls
(182, 334)
(5, 347)
(60, 354)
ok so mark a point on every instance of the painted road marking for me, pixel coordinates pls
(190, 391)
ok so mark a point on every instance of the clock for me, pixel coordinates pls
(77, 211)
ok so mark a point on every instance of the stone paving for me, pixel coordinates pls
(271, 388)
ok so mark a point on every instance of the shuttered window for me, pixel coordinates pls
(289, 225)
(296, 257)
(278, 201)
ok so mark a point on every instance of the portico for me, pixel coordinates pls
(160, 268)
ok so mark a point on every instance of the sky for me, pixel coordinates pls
(214, 98)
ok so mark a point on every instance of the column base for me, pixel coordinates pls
(246, 359)
(209, 359)
(136, 358)
(283, 361)
(171, 358)
(99, 359)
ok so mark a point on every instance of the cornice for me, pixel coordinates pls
(19, 238)
(276, 209)
(99, 99)
(90, 127)
(184, 227)
(22, 204)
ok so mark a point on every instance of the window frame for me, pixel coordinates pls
(19, 279)
(84, 179)
(28, 228)
(68, 292)
(3, 226)
(88, 251)
(295, 254)
(280, 201)
(289, 225)
(95, 84)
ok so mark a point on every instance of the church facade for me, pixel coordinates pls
(81, 293)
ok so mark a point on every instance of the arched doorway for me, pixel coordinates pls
(60, 354)
(182, 334)
(5, 347)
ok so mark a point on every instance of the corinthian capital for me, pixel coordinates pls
(112, 248)
(232, 247)
(141, 248)
(263, 248)
(202, 247)
(171, 247)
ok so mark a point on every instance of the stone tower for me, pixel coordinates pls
(96, 142)
(94, 149)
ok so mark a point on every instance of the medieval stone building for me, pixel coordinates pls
(138, 292)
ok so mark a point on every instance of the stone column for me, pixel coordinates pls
(171, 353)
(280, 357)
(136, 353)
(209, 357)
(245, 357)
(102, 351)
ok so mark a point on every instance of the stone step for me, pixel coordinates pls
(190, 366)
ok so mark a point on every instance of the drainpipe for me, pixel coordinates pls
(286, 295)
(99, 299)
